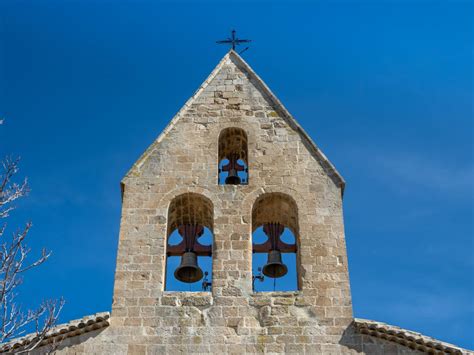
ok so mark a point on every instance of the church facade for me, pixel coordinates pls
(276, 178)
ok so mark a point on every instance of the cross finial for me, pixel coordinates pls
(233, 40)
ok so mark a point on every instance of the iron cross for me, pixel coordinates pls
(233, 40)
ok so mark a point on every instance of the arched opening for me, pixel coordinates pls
(233, 157)
(275, 243)
(189, 243)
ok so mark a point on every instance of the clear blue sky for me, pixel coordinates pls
(385, 88)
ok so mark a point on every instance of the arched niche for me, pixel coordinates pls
(233, 157)
(189, 232)
(275, 243)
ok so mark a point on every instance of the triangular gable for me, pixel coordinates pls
(237, 59)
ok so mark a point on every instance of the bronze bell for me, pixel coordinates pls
(188, 271)
(274, 268)
(233, 178)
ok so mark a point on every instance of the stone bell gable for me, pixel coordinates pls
(286, 172)
(231, 162)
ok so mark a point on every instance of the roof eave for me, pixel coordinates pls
(67, 330)
(406, 337)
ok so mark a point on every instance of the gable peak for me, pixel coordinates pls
(237, 60)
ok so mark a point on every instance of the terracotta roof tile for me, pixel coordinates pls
(60, 332)
(407, 338)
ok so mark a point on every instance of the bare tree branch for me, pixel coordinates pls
(14, 263)
(9, 190)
